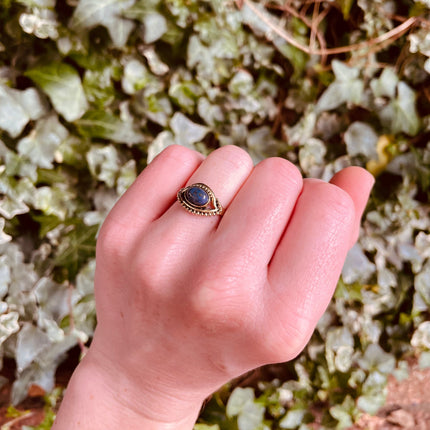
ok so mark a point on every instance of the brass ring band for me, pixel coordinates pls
(199, 199)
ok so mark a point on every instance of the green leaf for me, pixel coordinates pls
(344, 413)
(421, 337)
(62, 84)
(375, 358)
(8, 325)
(4, 238)
(103, 162)
(136, 77)
(56, 200)
(76, 247)
(237, 400)
(346, 88)
(104, 125)
(17, 108)
(386, 84)
(30, 342)
(251, 416)
(206, 427)
(91, 13)
(186, 132)
(346, 6)
(41, 144)
(38, 3)
(401, 114)
(292, 419)
(360, 138)
(155, 26)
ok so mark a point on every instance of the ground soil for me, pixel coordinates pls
(407, 406)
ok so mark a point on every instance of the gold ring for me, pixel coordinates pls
(199, 199)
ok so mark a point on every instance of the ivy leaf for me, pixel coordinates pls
(187, 132)
(401, 114)
(56, 200)
(375, 358)
(292, 419)
(386, 84)
(91, 13)
(8, 325)
(76, 247)
(42, 142)
(251, 416)
(344, 413)
(155, 26)
(346, 88)
(103, 162)
(237, 400)
(360, 138)
(104, 125)
(4, 238)
(17, 108)
(346, 6)
(30, 342)
(62, 84)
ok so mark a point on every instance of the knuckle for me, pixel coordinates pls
(112, 243)
(179, 153)
(340, 202)
(333, 202)
(237, 157)
(218, 309)
(285, 341)
(285, 171)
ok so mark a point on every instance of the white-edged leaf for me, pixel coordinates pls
(251, 416)
(107, 126)
(385, 85)
(186, 132)
(401, 114)
(4, 238)
(30, 342)
(91, 13)
(43, 141)
(238, 399)
(155, 26)
(103, 162)
(8, 325)
(292, 419)
(18, 107)
(360, 138)
(343, 72)
(62, 84)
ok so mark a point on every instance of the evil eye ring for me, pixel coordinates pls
(199, 199)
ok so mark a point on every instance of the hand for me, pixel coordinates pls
(185, 303)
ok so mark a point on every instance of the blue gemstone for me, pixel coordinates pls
(197, 196)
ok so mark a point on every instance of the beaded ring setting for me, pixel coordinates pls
(199, 199)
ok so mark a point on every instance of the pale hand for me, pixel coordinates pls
(186, 303)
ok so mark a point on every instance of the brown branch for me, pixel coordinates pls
(287, 8)
(9, 424)
(392, 35)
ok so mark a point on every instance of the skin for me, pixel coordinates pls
(186, 303)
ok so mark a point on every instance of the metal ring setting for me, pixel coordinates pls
(199, 199)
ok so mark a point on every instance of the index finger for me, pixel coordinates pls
(154, 190)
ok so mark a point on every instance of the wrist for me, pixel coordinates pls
(99, 398)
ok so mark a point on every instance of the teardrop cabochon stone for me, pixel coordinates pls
(197, 196)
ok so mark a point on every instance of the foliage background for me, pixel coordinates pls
(92, 90)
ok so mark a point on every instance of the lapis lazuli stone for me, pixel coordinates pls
(197, 196)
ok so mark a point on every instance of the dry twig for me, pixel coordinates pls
(391, 35)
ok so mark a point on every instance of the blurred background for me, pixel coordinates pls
(92, 90)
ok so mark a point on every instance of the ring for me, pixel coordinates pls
(199, 199)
